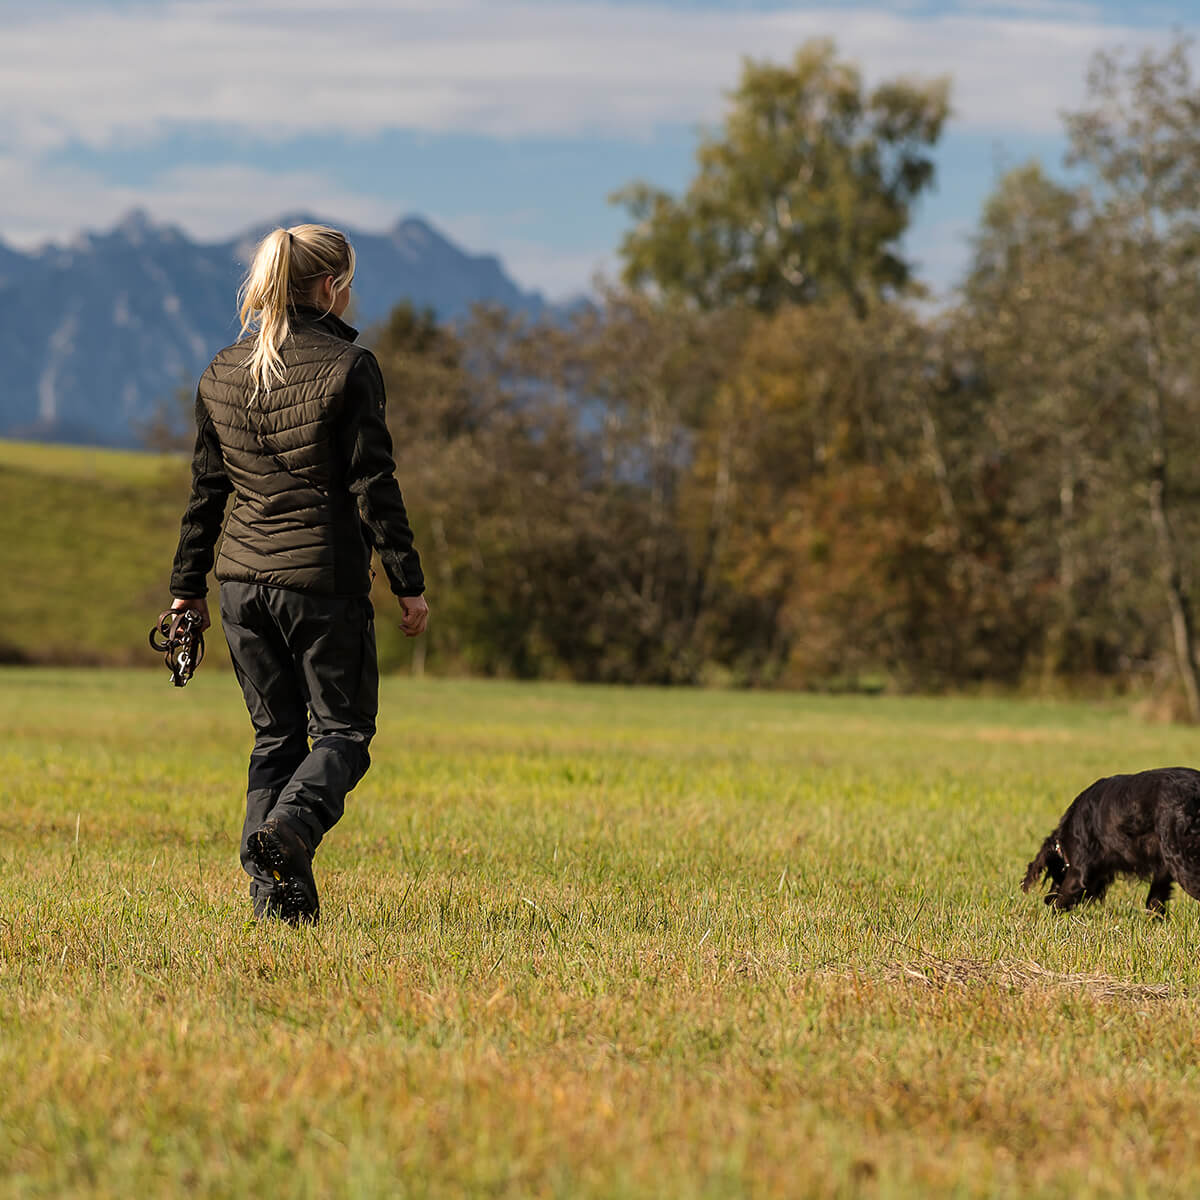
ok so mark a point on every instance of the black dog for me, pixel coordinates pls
(1146, 825)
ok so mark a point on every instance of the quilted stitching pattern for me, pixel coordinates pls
(287, 527)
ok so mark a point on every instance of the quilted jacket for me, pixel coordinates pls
(309, 465)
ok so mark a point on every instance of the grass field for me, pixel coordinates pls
(584, 942)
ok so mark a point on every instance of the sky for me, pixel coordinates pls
(506, 123)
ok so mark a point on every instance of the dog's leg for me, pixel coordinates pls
(1180, 844)
(1160, 894)
(1096, 885)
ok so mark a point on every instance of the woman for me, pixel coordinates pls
(290, 419)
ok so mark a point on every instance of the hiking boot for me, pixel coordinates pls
(277, 850)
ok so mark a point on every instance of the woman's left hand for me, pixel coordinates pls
(416, 615)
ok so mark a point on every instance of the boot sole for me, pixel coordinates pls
(297, 895)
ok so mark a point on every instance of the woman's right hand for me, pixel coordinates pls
(199, 605)
(416, 615)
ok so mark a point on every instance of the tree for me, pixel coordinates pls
(172, 425)
(1049, 409)
(544, 464)
(843, 540)
(1139, 140)
(1081, 367)
(804, 192)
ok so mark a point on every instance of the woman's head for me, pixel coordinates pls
(309, 265)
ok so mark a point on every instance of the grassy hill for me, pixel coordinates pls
(86, 542)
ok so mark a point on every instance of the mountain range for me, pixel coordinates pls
(97, 334)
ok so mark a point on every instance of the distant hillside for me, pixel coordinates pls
(96, 334)
(86, 541)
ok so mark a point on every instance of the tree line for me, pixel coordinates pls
(764, 457)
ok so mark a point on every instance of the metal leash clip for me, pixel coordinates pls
(178, 638)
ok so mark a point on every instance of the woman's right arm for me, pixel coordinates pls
(205, 512)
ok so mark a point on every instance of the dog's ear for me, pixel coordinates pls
(1048, 862)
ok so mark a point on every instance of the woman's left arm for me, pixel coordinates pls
(371, 478)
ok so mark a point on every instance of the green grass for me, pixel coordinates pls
(583, 942)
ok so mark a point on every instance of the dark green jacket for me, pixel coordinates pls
(310, 467)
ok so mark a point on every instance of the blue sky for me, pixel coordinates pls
(505, 122)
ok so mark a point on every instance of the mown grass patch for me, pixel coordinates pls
(91, 463)
(584, 942)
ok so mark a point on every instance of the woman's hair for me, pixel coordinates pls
(287, 269)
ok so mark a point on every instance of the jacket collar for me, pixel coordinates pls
(324, 321)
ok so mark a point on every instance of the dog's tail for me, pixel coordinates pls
(1048, 862)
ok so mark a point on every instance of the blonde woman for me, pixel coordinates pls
(290, 420)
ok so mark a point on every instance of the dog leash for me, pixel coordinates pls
(178, 639)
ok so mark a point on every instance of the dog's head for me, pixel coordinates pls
(1050, 862)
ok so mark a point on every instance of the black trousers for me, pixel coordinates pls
(308, 670)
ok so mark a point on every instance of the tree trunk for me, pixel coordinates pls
(1170, 566)
(1182, 626)
(1060, 639)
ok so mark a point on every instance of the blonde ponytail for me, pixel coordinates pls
(286, 271)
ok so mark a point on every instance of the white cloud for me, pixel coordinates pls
(39, 202)
(260, 70)
(1073, 10)
(279, 68)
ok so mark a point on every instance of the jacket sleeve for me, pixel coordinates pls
(205, 513)
(371, 478)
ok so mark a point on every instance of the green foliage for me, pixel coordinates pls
(1078, 326)
(553, 540)
(803, 194)
(579, 942)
